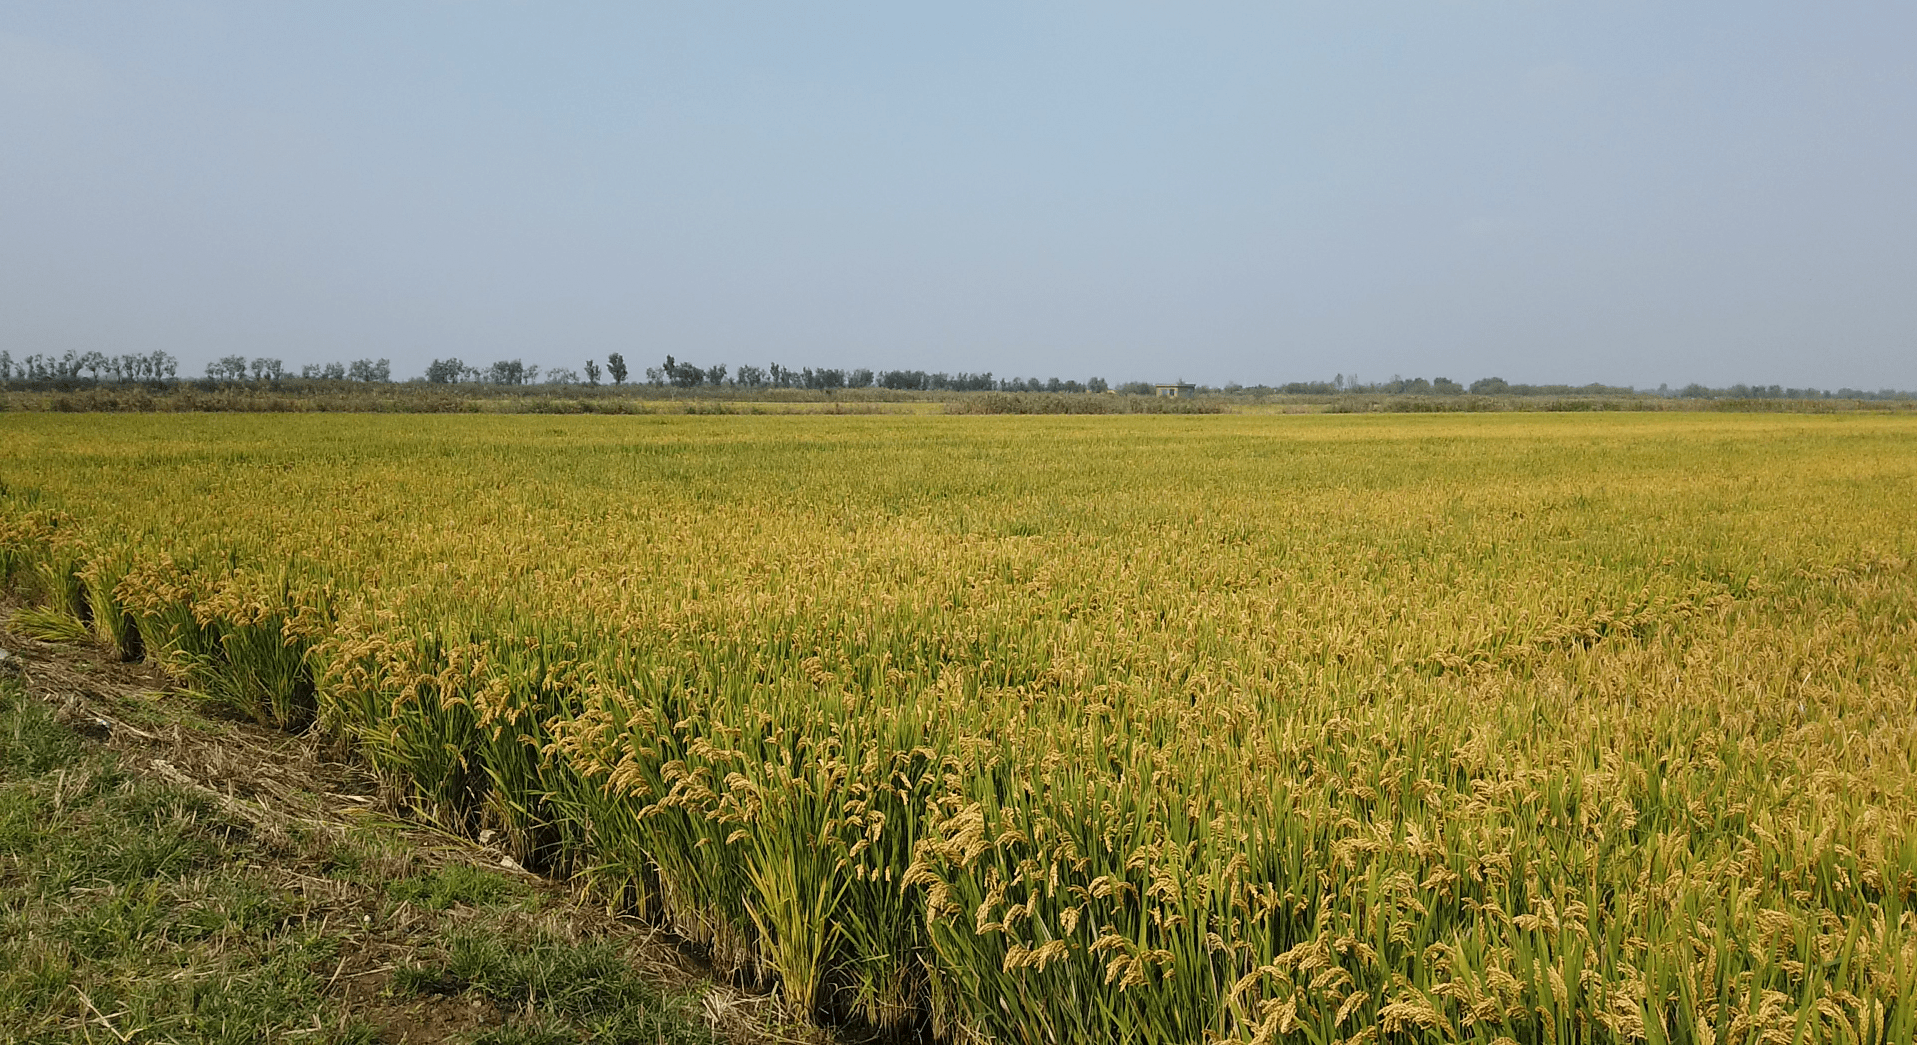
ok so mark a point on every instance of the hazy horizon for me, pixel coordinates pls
(1637, 195)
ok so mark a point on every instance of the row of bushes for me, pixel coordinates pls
(1362, 404)
(1048, 403)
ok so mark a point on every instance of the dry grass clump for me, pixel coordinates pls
(1533, 728)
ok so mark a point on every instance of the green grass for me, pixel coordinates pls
(127, 909)
(555, 988)
(133, 910)
(461, 885)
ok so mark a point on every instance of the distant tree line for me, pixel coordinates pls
(369, 370)
(1341, 385)
(676, 373)
(1497, 386)
(503, 372)
(151, 366)
(162, 366)
(239, 368)
(1697, 391)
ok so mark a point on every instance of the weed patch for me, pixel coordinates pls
(460, 885)
(559, 988)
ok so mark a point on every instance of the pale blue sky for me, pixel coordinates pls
(1631, 193)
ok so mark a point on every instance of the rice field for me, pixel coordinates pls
(1492, 728)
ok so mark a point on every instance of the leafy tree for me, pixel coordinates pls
(1490, 386)
(822, 380)
(592, 373)
(511, 372)
(227, 368)
(1444, 386)
(445, 371)
(680, 375)
(268, 369)
(370, 370)
(137, 367)
(616, 366)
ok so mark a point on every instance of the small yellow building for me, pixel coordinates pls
(1176, 389)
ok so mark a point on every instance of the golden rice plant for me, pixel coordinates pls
(1080, 729)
